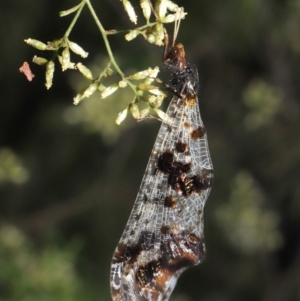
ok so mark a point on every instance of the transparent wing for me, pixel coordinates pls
(164, 234)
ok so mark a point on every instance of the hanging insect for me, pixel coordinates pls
(165, 232)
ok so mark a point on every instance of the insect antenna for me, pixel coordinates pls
(177, 24)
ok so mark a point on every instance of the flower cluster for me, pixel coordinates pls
(154, 32)
(65, 45)
(163, 11)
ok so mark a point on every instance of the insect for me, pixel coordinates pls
(164, 234)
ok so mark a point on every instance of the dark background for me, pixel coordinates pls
(69, 175)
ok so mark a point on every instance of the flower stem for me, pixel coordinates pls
(113, 31)
(74, 20)
(107, 45)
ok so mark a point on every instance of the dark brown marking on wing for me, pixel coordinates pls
(146, 240)
(198, 133)
(181, 147)
(177, 175)
(170, 202)
(137, 217)
(146, 273)
(190, 99)
(145, 198)
(181, 249)
(206, 178)
(177, 171)
(164, 162)
(187, 124)
(129, 253)
(119, 254)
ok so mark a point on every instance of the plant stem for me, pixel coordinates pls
(108, 49)
(74, 20)
(113, 31)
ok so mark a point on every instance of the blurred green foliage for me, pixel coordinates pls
(11, 168)
(264, 102)
(72, 171)
(247, 224)
(97, 115)
(29, 274)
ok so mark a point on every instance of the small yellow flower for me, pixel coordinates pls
(36, 44)
(122, 84)
(85, 71)
(109, 90)
(163, 116)
(145, 5)
(132, 34)
(50, 67)
(77, 98)
(134, 109)
(121, 116)
(144, 113)
(65, 58)
(39, 60)
(77, 49)
(90, 90)
(130, 11)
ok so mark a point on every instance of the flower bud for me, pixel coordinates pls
(134, 109)
(150, 38)
(109, 72)
(122, 84)
(77, 99)
(163, 116)
(53, 45)
(149, 74)
(143, 86)
(130, 11)
(36, 44)
(109, 90)
(169, 18)
(152, 75)
(90, 90)
(144, 113)
(69, 65)
(77, 49)
(139, 75)
(173, 17)
(158, 32)
(161, 8)
(132, 34)
(50, 67)
(65, 58)
(85, 71)
(146, 9)
(121, 116)
(151, 89)
(172, 6)
(101, 87)
(155, 101)
(140, 93)
(39, 60)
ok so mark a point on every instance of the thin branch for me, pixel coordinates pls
(74, 20)
(107, 45)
